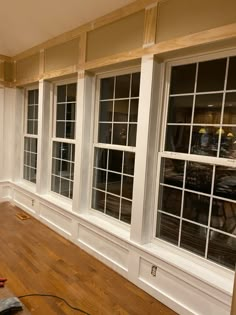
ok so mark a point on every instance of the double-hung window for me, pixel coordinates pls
(31, 136)
(63, 141)
(114, 147)
(196, 208)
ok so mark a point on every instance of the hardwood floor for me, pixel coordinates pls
(35, 259)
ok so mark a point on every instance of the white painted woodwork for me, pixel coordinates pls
(1, 129)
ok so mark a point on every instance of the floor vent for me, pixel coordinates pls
(22, 216)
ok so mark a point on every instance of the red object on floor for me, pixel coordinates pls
(2, 282)
(3, 279)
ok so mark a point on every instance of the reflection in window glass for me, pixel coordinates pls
(230, 109)
(208, 109)
(225, 182)
(228, 142)
(172, 172)
(196, 208)
(177, 138)
(231, 82)
(170, 200)
(167, 228)
(205, 140)
(211, 75)
(180, 109)
(222, 249)
(193, 238)
(199, 177)
(183, 79)
(223, 216)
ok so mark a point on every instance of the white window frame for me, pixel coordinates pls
(195, 58)
(26, 135)
(96, 144)
(53, 137)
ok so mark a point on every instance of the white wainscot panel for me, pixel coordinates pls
(104, 247)
(6, 192)
(56, 219)
(24, 201)
(193, 300)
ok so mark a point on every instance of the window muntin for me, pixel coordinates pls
(31, 136)
(196, 207)
(113, 171)
(63, 142)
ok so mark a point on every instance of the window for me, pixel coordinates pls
(114, 151)
(197, 201)
(63, 142)
(31, 136)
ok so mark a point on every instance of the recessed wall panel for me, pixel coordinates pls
(120, 36)
(27, 68)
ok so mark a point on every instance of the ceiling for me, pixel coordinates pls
(26, 23)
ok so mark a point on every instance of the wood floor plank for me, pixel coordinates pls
(35, 259)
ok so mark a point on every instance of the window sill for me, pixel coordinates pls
(30, 187)
(58, 201)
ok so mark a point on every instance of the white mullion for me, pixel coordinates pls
(193, 108)
(115, 147)
(182, 204)
(223, 105)
(210, 211)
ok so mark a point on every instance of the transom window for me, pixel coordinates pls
(63, 142)
(31, 136)
(114, 153)
(197, 201)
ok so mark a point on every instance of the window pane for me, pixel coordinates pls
(115, 160)
(114, 183)
(36, 112)
(57, 149)
(167, 228)
(126, 207)
(33, 143)
(228, 143)
(104, 134)
(60, 129)
(65, 169)
(67, 151)
(231, 82)
(27, 144)
(30, 112)
(30, 127)
(208, 109)
(223, 216)
(129, 158)
(100, 158)
(133, 116)
(180, 109)
(230, 109)
(71, 92)
(211, 75)
(196, 208)
(55, 185)
(183, 79)
(107, 88)
(98, 200)
(127, 188)
(35, 127)
(205, 140)
(121, 110)
(106, 110)
(112, 206)
(72, 171)
(99, 179)
(225, 182)
(70, 130)
(122, 86)
(33, 160)
(61, 111)
(132, 135)
(199, 177)
(170, 200)
(56, 167)
(65, 188)
(70, 111)
(177, 138)
(31, 97)
(135, 84)
(119, 134)
(222, 249)
(193, 238)
(32, 175)
(172, 172)
(61, 93)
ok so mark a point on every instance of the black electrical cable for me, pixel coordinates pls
(54, 296)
